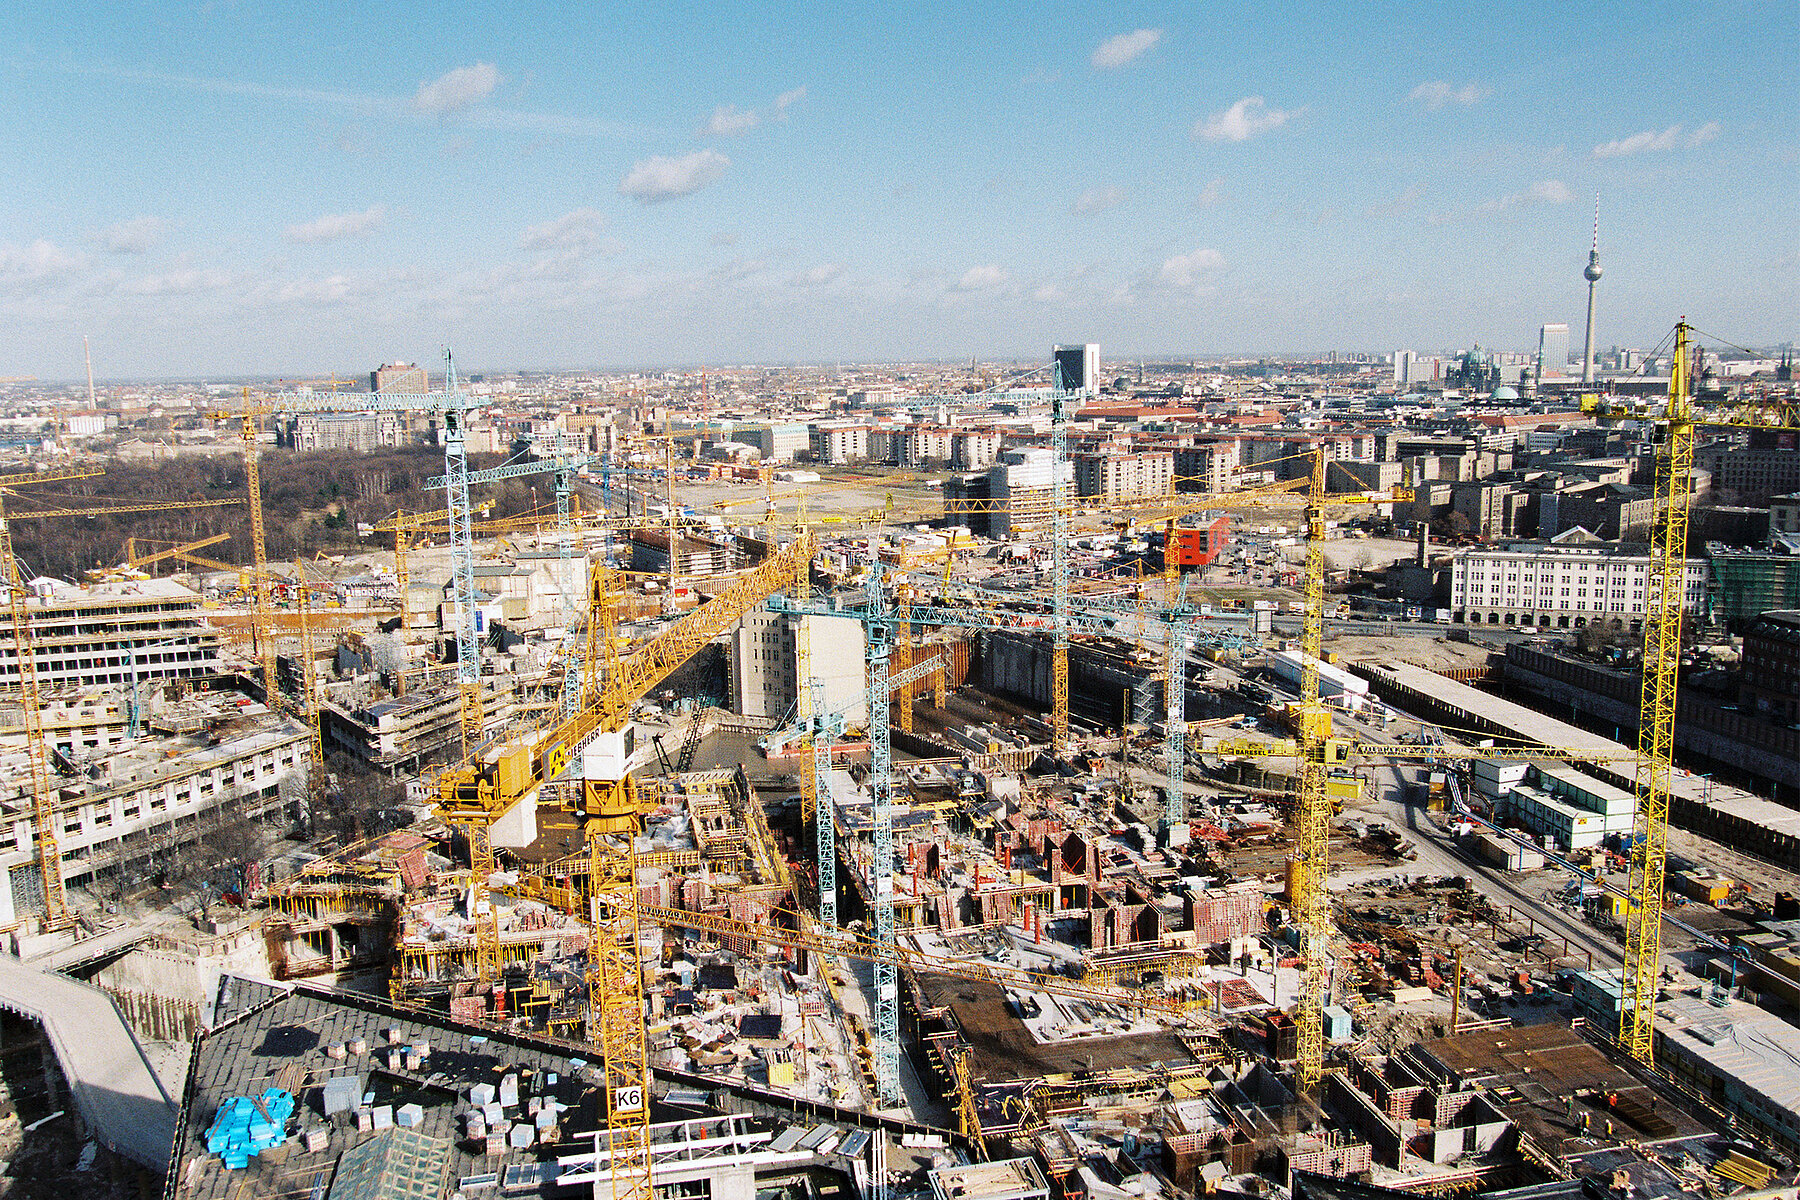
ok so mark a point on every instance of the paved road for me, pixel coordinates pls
(116, 1090)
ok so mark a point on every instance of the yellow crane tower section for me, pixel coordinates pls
(37, 779)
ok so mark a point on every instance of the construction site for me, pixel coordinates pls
(1012, 881)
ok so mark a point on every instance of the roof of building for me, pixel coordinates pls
(1781, 624)
(289, 1039)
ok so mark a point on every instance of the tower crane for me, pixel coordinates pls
(183, 553)
(468, 652)
(1679, 418)
(476, 794)
(453, 403)
(37, 777)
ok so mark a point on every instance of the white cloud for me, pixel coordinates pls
(333, 226)
(1212, 195)
(1652, 140)
(1096, 200)
(180, 281)
(982, 279)
(728, 120)
(457, 89)
(1546, 191)
(575, 230)
(1243, 120)
(740, 268)
(660, 178)
(40, 259)
(135, 236)
(1437, 93)
(1187, 271)
(1120, 49)
(818, 276)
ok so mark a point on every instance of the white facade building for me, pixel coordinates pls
(764, 664)
(1556, 585)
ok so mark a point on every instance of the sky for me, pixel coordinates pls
(228, 187)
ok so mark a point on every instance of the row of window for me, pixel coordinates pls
(196, 790)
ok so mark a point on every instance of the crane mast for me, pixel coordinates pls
(1656, 714)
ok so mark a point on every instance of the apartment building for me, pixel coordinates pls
(1568, 582)
(101, 634)
(837, 444)
(974, 449)
(1207, 467)
(1118, 472)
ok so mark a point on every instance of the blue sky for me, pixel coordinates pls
(222, 187)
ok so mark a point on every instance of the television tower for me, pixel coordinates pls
(1592, 274)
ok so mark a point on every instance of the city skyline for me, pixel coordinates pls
(212, 189)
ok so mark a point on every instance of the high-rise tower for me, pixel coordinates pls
(1592, 274)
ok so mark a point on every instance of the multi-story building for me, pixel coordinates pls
(919, 445)
(399, 377)
(839, 443)
(406, 733)
(1769, 465)
(1615, 511)
(1022, 477)
(1746, 584)
(102, 634)
(778, 442)
(1553, 350)
(1566, 582)
(134, 800)
(1784, 513)
(693, 556)
(1124, 472)
(973, 449)
(1207, 467)
(346, 431)
(1080, 366)
(763, 664)
(1769, 673)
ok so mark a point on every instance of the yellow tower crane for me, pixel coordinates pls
(37, 779)
(1667, 602)
(261, 626)
(477, 794)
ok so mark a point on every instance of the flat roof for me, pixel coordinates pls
(1504, 719)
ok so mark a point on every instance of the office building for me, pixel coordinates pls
(134, 800)
(403, 378)
(1553, 351)
(1768, 465)
(1568, 582)
(98, 635)
(1080, 366)
(778, 442)
(1769, 677)
(1784, 513)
